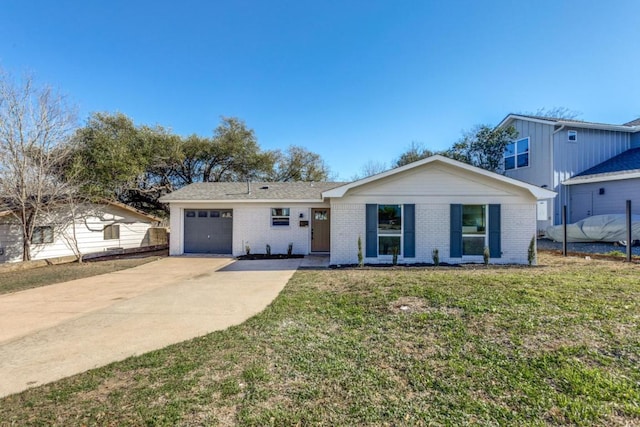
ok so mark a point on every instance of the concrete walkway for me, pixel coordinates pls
(56, 331)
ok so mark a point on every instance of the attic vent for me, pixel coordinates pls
(264, 187)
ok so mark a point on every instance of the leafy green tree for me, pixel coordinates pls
(115, 159)
(483, 146)
(415, 152)
(299, 164)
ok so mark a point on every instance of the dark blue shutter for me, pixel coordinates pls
(409, 231)
(371, 240)
(495, 247)
(456, 231)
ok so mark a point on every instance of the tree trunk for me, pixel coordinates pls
(26, 249)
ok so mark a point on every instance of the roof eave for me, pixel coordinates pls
(510, 117)
(228, 201)
(601, 178)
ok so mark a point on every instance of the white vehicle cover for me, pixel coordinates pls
(598, 228)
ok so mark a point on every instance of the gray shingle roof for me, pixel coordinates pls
(229, 191)
(623, 162)
(635, 122)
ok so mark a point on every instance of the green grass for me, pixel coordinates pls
(557, 344)
(14, 281)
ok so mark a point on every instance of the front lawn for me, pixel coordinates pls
(557, 344)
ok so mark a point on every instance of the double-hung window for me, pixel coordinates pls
(280, 217)
(474, 229)
(389, 229)
(516, 154)
(42, 234)
(111, 232)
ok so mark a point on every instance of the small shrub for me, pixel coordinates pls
(617, 253)
(268, 249)
(395, 252)
(486, 255)
(247, 249)
(360, 256)
(531, 252)
(435, 256)
(290, 249)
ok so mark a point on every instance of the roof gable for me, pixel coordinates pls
(458, 168)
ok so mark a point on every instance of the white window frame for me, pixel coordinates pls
(486, 230)
(401, 235)
(573, 133)
(516, 154)
(275, 217)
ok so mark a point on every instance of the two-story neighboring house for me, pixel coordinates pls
(593, 167)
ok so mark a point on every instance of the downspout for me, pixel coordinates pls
(553, 178)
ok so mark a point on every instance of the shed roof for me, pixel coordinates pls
(254, 191)
(623, 166)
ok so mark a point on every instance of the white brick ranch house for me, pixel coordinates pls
(435, 203)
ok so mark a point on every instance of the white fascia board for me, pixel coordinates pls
(511, 117)
(601, 178)
(243, 201)
(617, 128)
(538, 192)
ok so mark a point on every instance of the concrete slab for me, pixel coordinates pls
(60, 330)
(312, 262)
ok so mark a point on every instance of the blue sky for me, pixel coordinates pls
(354, 81)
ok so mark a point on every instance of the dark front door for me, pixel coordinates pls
(208, 231)
(320, 230)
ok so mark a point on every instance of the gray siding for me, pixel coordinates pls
(570, 158)
(540, 171)
(613, 201)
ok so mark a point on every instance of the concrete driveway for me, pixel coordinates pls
(60, 330)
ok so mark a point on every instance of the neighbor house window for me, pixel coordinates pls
(474, 229)
(112, 232)
(279, 217)
(572, 135)
(516, 154)
(42, 235)
(389, 229)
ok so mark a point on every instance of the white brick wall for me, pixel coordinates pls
(432, 232)
(252, 226)
(518, 225)
(347, 223)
